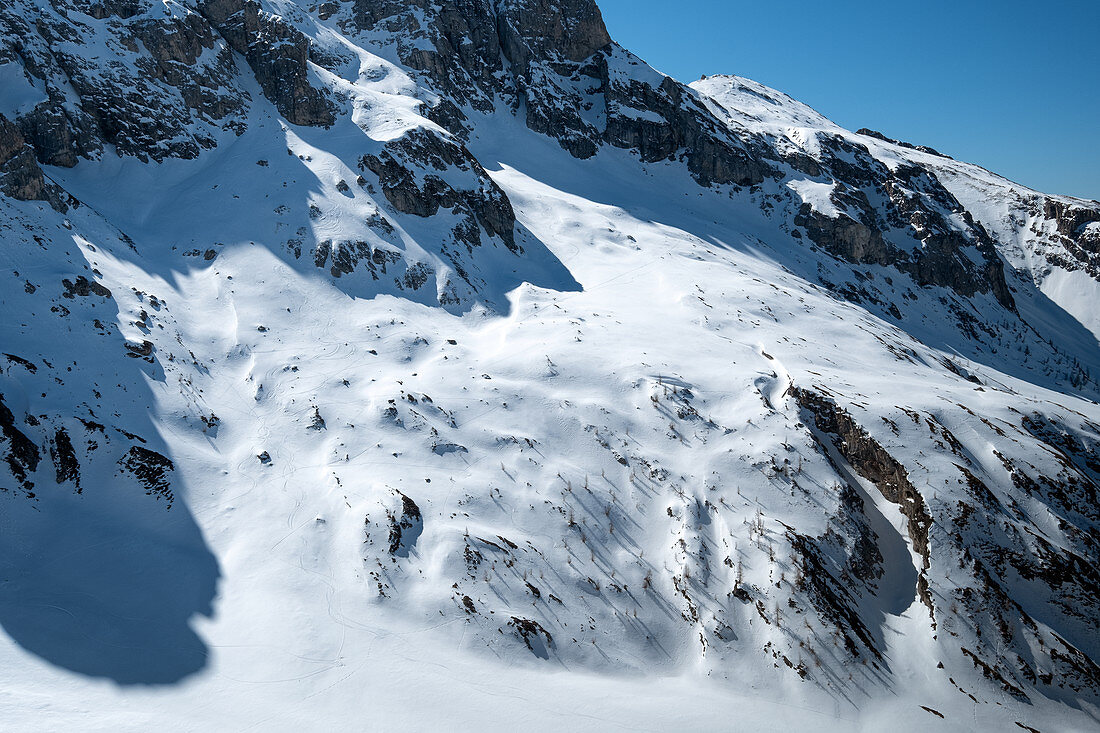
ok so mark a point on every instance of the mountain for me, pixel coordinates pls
(376, 364)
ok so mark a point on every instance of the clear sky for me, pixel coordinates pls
(1013, 85)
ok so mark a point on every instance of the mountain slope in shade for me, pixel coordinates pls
(387, 364)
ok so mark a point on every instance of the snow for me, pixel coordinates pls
(612, 419)
(17, 94)
(1007, 210)
(297, 636)
(817, 195)
(1074, 291)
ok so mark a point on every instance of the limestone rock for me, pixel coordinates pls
(20, 176)
(483, 203)
(278, 55)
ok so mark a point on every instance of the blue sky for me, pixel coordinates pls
(1012, 85)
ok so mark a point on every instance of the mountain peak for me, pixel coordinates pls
(349, 343)
(572, 30)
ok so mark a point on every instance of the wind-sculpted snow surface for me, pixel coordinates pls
(409, 365)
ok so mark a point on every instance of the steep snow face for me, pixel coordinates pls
(483, 376)
(749, 104)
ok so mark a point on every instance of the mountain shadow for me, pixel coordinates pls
(105, 590)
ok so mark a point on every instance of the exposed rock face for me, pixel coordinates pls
(665, 121)
(278, 54)
(20, 176)
(533, 635)
(469, 41)
(391, 534)
(556, 61)
(426, 175)
(542, 30)
(973, 532)
(26, 440)
(908, 228)
(921, 148)
(163, 83)
(1078, 228)
(875, 464)
(66, 464)
(405, 525)
(160, 85)
(21, 454)
(1071, 220)
(831, 596)
(152, 470)
(83, 287)
(483, 205)
(344, 257)
(457, 46)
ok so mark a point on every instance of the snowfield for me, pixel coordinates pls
(282, 455)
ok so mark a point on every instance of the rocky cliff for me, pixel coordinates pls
(458, 337)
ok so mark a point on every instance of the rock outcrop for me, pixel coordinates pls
(277, 53)
(1078, 229)
(410, 170)
(556, 63)
(909, 228)
(20, 176)
(875, 464)
(163, 83)
(20, 454)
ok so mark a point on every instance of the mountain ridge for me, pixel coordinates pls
(466, 349)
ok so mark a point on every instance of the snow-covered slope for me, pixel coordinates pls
(387, 364)
(1053, 242)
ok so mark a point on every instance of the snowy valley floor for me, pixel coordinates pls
(584, 428)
